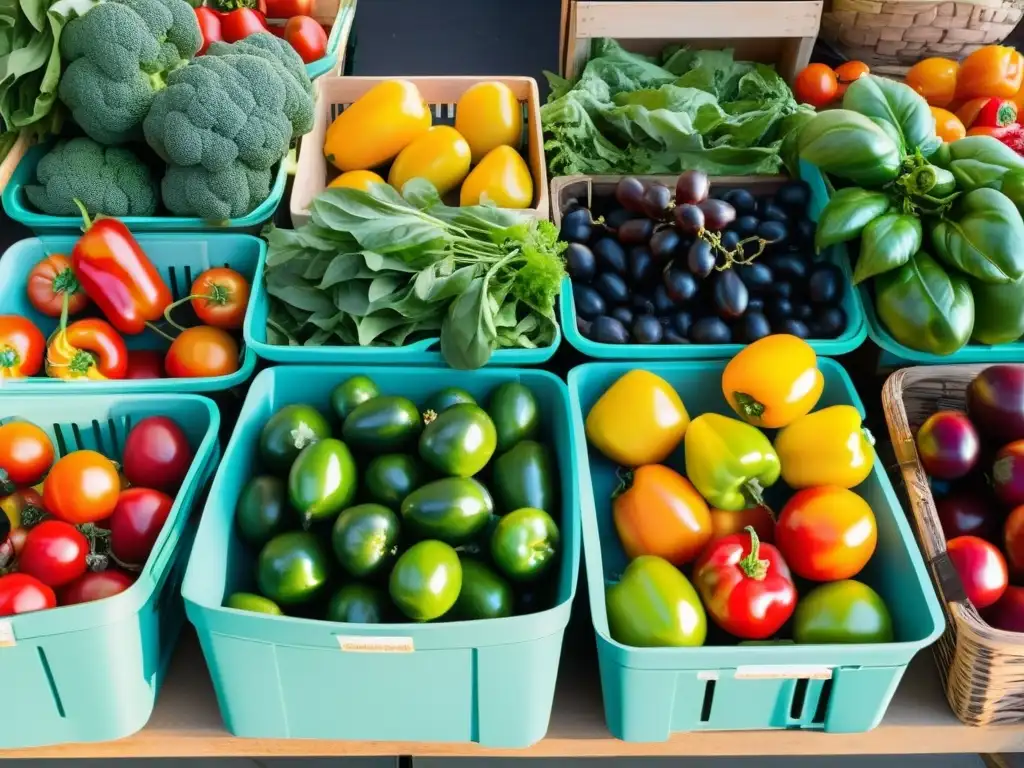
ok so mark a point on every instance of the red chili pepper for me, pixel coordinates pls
(745, 585)
(118, 276)
(996, 113)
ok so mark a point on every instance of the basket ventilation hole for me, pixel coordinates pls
(796, 706)
(709, 697)
(79, 443)
(823, 698)
(62, 446)
(51, 682)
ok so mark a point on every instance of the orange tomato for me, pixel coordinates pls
(935, 79)
(26, 453)
(725, 523)
(849, 71)
(202, 352)
(947, 125)
(816, 85)
(82, 487)
(995, 70)
(659, 512)
(21, 347)
(826, 533)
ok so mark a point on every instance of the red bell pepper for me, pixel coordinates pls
(986, 112)
(209, 27)
(118, 276)
(745, 586)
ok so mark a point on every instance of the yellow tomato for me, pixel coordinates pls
(441, 156)
(502, 178)
(380, 124)
(356, 180)
(947, 125)
(489, 116)
(935, 79)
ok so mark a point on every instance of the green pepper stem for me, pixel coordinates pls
(85, 215)
(625, 477)
(749, 407)
(868, 437)
(755, 492)
(754, 567)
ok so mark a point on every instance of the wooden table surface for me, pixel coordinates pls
(186, 723)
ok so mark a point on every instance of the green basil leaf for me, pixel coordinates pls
(1013, 188)
(846, 214)
(343, 267)
(998, 312)
(889, 103)
(984, 238)
(924, 307)
(980, 161)
(887, 243)
(847, 144)
(381, 220)
(468, 334)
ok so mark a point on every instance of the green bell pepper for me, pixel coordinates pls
(729, 461)
(654, 605)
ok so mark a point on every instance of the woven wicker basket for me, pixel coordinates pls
(982, 667)
(902, 32)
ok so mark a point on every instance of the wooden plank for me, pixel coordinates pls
(725, 20)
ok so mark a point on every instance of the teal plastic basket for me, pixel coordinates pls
(490, 682)
(180, 258)
(849, 340)
(651, 693)
(92, 672)
(423, 352)
(16, 206)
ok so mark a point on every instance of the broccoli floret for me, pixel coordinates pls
(225, 194)
(220, 109)
(117, 57)
(298, 87)
(108, 180)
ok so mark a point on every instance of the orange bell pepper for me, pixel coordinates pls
(996, 71)
(947, 125)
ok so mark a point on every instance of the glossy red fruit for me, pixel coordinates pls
(1008, 612)
(982, 569)
(54, 552)
(95, 586)
(157, 455)
(1008, 473)
(967, 513)
(1013, 543)
(138, 518)
(995, 403)
(145, 364)
(21, 593)
(948, 445)
(692, 187)
(718, 214)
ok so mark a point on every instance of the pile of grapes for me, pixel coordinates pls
(700, 267)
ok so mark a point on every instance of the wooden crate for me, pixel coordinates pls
(334, 94)
(780, 33)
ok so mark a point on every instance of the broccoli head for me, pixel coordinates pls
(219, 110)
(228, 193)
(108, 180)
(117, 57)
(298, 87)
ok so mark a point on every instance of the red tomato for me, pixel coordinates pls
(145, 364)
(220, 297)
(209, 27)
(138, 518)
(745, 585)
(50, 282)
(22, 347)
(816, 85)
(285, 9)
(82, 487)
(981, 567)
(847, 72)
(202, 352)
(26, 455)
(826, 533)
(54, 553)
(21, 593)
(95, 586)
(157, 454)
(307, 37)
(948, 445)
(239, 24)
(1008, 474)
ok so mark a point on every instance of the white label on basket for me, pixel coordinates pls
(789, 672)
(7, 635)
(356, 644)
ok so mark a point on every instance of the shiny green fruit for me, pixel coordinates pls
(358, 604)
(365, 539)
(655, 606)
(262, 510)
(460, 441)
(484, 594)
(842, 612)
(288, 432)
(446, 398)
(524, 476)
(515, 413)
(246, 601)
(352, 393)
(426, 580)
(525, 543)
(293, 568)
(390, 478)
(322, 481)
(452, 509)
(385, 424)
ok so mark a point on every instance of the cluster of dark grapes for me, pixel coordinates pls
(699, 266)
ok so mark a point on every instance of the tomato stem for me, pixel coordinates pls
(625, 477)
(429, 416)
(9, 357)
(159, 332)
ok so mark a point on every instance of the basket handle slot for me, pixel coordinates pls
(709, 697)
(796, 704)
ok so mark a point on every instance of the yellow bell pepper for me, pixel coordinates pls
(489, 116)
(639, 420)
(773, 381)
(827, 447)
(441, 156)
(380, 124)
(356, 180)
(729, 462)
(502, 178)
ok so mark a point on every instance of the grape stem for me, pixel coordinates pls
(735, 256)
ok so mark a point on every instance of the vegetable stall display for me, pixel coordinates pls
(376, 269)
(940, 235)
(440, 510)
(699, 265)
(701, 540)
(232, 20)
(107, 291)
(79, 528)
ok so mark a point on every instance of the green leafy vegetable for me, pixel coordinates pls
(379, 269)
(887, 242)
(698, 109)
